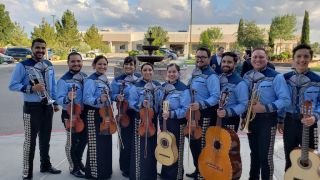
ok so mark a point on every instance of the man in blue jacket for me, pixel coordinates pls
(34, 78)
(271, 88)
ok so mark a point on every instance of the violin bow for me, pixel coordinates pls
(117, 125)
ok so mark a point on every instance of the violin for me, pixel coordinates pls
(122, 109)
(146, 127)
(75, 123)
(108, 125)
(193, 130)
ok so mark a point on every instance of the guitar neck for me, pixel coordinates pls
(305, 143)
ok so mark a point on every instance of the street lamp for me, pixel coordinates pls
(190, 29)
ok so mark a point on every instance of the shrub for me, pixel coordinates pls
(133, 53)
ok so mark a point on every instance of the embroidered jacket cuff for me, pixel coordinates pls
(26, 89)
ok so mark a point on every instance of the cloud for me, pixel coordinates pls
(258, 9)
(41, 5)
(172, 15)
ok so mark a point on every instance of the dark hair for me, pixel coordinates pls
(231, 54)
(39, 40)
(248, 52)
(261, 49)
(175, 65)
(302, 46)
(97, 58)
(129, 59)
(74, 54)
(219, 48)
(204, 49)
(147, 63)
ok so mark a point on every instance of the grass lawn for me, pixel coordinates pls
(316, 68)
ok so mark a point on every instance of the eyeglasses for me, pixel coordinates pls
(201, 57)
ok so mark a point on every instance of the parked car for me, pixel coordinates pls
(7, 59)
(168, 54)
(18, 53)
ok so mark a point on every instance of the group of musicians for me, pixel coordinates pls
(89, 99)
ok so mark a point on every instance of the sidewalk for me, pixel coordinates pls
(11, 158)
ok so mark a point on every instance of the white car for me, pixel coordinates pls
(7, 59)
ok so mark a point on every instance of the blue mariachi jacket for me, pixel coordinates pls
(64, 86)
(138, 92)
(94, 86)
(20, 80)
(207, 86)
(303, 87)
(238, 94)
(178, 96)
(129, 81)
(272, 89)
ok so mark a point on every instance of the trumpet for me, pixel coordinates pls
(44, 96)
(250, 115)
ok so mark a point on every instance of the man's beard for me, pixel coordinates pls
(230, 70)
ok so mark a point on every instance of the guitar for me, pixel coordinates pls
(305, 163)
(166, 151)
(220, 158)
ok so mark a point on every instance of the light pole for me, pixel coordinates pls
(190, 29)
(53, 16)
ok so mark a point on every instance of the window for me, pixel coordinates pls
(123, 47)
(139, 47)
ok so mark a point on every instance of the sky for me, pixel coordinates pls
(172, 15)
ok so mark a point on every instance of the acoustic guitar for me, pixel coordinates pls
(166, 151)
(220, 158)
(305, 163)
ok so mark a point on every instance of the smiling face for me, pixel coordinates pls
(147, 72)
(101, 66)
(38, 50)
(259, 60)
(202, 58)
(129, 68)
(301, 60)
(75, 63)
(172, 74)
(227, 64)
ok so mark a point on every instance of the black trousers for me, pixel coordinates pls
(261, 142)
(208, 118)
(127, 139)
(292, 135)
(75, 146)
(231, 123)
(37, 119)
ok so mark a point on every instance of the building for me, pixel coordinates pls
(179, 41)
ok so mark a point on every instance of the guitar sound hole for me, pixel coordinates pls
(304, 163)
(217, 145)
(164, 143)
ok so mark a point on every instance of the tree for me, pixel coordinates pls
(6, 26)
(305, 33)
(93, 38)
(46, 32)
(67, 32)
(209, 37)
(253, 35)
(283, 27)
(159, 34)
(240, 32)
(19, 37)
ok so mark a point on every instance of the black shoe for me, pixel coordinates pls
(51, 170)
(192, 175)
(81, 166)
(125, 174)
(78, 174)
(27, 177)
